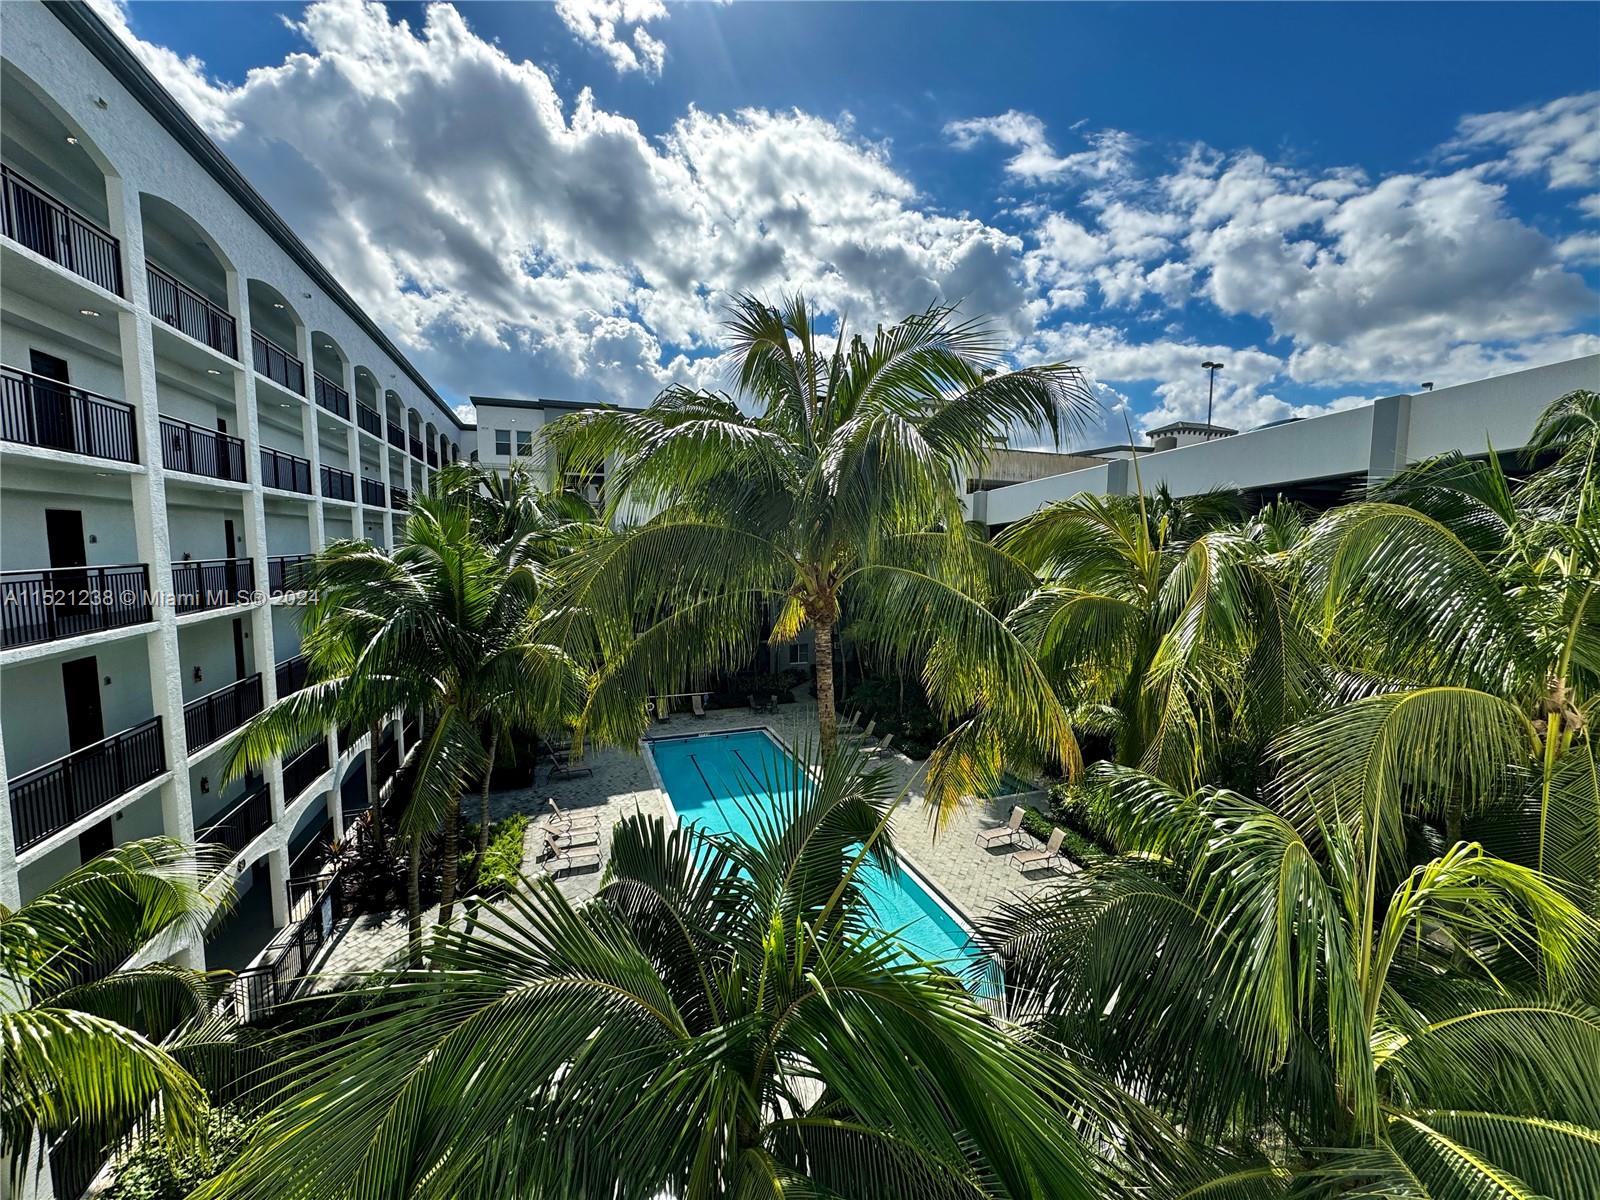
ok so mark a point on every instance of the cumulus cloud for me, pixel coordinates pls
(1109, 152)
(616, 28)
(1559, 141)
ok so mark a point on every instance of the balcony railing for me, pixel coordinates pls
(371, 492)
(242, 824)
(416, 448)
(369, 419)
(221, 712)
(57, 416)
(36, 219)
(185, 309)
(301, 771)
(292, 673)
(63, 602)
(338, 484)
(399, 498)
(286, 472)
(51, 797)
(284, 572)
(330, 395)
(397, 437)
(433, 457)
(208, 583)
(197, 450)
(277, 364)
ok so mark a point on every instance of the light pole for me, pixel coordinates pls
(1211, 387)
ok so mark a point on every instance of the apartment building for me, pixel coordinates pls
(192, 406)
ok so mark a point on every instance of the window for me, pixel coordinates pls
(799, 654)
(524, 441)
(502, 442)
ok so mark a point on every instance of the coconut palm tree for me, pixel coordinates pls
(1278, 989)
(446, 625)
(1167, 623)
(839, 493)
(85, 1042)
(724, 1018)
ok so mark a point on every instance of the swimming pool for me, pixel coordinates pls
(717, 781)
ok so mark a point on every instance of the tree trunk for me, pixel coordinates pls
(452, 857)
(414, 904)
(827, 719)
(483, 815)
(375, 819)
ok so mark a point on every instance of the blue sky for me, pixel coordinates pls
(1339, 201)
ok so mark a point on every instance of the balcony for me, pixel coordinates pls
(35, 411)
(397, 437)
(286, 472)
(399, 498)
(369, 420)
(292, 674)
(36, 219)
(371, 492)
(331, 396)
(416, 448)
(64, 602)
(277, 364)
(196, 450)
(284, 572)
(338, 484)
(242, 824)
(433, 457)
(205, 584)
(304, 769)
(221, 712)
(50, 798)
(187, 311)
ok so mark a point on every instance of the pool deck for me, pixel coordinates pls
(971, 878)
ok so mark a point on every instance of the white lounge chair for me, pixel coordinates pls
(570, 837)
(697, 705)
(883, 747)
(555, 859)
(1034, 860)
(861, 735)
(569, 819)
(1007, 832)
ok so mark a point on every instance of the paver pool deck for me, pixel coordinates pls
(972, 878)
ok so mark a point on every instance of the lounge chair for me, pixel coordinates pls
(569, 819)
(563, 767)
(663, 709)
(555, 859)
(882, 747)
(1034, 860)
(570, 837)
(861, 735)
(1007, 832)
(697, 705)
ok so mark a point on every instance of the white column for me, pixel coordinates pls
(10, 886)
(352, 436)
(388, 477)
(278, 883)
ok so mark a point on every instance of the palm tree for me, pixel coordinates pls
(445, 625)
(1167, 622)
(722, 1019)
(86, 1042)
(840, 493)
(1274, 987)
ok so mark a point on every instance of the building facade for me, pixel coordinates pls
(192, 406)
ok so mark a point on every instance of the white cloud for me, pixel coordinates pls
(617, 29)
(1559, 140)
(1109, 153)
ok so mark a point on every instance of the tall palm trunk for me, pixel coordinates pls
(483, 814)
(414, 903)
(374, 809)
(827, 719)
(452, 857)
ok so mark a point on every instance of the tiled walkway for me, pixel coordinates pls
(969, 876)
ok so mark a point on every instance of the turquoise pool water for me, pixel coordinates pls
(718, 781)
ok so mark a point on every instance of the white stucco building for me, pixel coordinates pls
(191, 405)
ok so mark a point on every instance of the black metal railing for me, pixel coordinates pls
(292, 673)
(36, 219)
(51, 797)
(338, 484)
(284, 471)
(277, 364)
(301, 771)
(397, 437)
(408, 731)
(416, 448)
(330, 395)
(197, 450)
(221, 712)
(242, 824)
(208, 583)
(399, 498)
(62, 602)
(371, 492)
(284, 572)
(186, 310)
(258, 989)
(433, 457)
(45, 412)
(368, 419)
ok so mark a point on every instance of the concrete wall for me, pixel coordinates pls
(1499, 411)
(33, 705)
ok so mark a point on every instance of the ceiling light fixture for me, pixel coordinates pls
(212, 371)
(87, 312)
(71, 141)
(277, 304)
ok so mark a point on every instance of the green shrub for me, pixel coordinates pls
(502, 860)
(1073, 844)
(153, 1170)
(898, 707)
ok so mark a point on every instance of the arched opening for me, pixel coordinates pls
(430, 444)
(274, 335)
(328, 361)
(187, 275)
